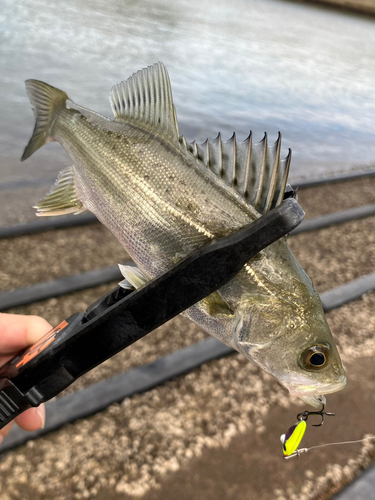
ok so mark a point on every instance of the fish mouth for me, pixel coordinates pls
(314, 397)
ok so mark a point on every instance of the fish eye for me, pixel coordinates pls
(315, 357)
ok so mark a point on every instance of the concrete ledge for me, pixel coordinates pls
(348, 292)
(362, 488)
(62, 286)
(47, 224)
(352, 176)
(335, 218)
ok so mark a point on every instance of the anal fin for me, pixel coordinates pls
(63, 198)
(134, 278)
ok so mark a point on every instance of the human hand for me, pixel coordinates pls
(16, 333)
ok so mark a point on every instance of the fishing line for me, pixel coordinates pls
(298, 452)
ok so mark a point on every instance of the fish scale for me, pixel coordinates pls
(163, 198)
(145, 203)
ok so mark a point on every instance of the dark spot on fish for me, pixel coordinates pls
(146, 176)
(171, 177)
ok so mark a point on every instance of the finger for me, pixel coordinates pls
(5, 431)
(32, 419)
(5, 359)
(18, 331)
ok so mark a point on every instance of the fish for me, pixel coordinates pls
(163, 198)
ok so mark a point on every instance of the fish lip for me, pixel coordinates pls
(311, 391)
(317, 402)
(315, 399)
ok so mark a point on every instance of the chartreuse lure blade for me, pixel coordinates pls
(293, 437)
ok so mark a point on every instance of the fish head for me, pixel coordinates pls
(287, 335)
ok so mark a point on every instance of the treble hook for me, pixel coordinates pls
(305, 415)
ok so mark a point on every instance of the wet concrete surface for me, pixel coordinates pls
(215, 432)
(252, 465)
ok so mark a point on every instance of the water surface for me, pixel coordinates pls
(262, 65)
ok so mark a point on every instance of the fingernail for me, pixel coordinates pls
(42, 415)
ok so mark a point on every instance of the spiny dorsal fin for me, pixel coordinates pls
(253, 171)
(63, 198)
(146, 99)
(134, 278)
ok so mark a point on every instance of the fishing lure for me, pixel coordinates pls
(293, 436)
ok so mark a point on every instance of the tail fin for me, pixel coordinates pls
(45, 100)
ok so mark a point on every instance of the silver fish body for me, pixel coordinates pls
(162, 199)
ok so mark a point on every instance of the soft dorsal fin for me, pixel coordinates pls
(253, 171)
(62, 198)
(146, 99)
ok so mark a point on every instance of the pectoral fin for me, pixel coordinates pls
(215, 305)
(63, 198)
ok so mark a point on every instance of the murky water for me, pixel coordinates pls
(261, 65)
